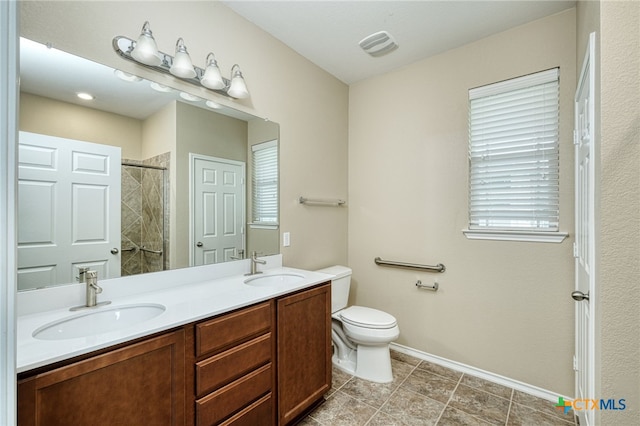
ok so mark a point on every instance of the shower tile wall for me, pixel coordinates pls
(131, 220)
(144, 216)
(163, 160)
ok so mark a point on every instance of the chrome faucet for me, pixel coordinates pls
(254, 262)
(90, 278)
(93, 289)
(81, 275)
(239, 256)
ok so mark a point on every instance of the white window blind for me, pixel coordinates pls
(513, 154)
(265, 183)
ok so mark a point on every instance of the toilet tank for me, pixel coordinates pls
(340, 284)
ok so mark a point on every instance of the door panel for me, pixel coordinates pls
(584, 249)
(217, 220)
(68, 209)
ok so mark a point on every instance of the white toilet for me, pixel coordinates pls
(360, 335)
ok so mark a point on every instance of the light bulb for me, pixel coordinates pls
(182, 66)
(146, 50)
(238, 88)
(125, 76)
(85, 96)
(212, 78)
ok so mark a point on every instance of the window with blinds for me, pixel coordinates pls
(513, 154)
(264, 177)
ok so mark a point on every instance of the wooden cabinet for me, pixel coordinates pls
(142, 383)
(304, 351)
(234, 373)
(266, 364)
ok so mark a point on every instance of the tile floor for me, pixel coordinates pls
(423, 393)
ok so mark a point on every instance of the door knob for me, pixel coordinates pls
(580, 296)
(198, 244)
(114, 251)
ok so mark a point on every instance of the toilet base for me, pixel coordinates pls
(372, 363)
(346, 364)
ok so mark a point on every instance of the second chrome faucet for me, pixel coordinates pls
(254, 262)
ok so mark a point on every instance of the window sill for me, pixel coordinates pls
(527, 236)
(263, 226)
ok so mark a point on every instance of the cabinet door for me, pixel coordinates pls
(141, 384)
(304, 351)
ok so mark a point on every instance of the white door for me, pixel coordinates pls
(68, 210)
(584, 249)
(217, 209)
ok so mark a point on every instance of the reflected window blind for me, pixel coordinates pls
(513, 154)
(265, 183)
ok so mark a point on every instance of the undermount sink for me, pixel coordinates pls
(269, 280)
(98, 322)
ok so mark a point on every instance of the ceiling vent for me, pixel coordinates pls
(378, 44)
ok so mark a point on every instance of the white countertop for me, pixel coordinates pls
(184, 303)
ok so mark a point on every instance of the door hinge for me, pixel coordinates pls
(576, 139)
(575, 250)
(575, 363)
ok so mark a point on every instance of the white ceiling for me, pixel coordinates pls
(327, 32)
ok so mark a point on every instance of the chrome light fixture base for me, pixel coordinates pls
(123, 46)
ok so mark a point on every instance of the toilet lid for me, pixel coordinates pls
(367, 317)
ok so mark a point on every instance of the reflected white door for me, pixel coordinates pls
(68, 209)
(584, 249)
(217, 209)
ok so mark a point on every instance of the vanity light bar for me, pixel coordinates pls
(124, 46)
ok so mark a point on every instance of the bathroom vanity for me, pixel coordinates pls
(265, 363)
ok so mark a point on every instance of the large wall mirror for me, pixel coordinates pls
(141, 178)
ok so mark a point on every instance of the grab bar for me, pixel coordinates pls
(150, 251)
(133, 249)
(337, 202)
(438, 268)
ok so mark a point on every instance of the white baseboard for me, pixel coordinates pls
(473, 371)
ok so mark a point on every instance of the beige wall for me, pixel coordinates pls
(51, 117)
(619, 216)
(208, 133)
(502, 306)
(159, 132)
(309, 104)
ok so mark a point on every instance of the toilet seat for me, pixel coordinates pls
(361, 316)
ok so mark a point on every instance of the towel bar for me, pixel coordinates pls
(433, 287)
(304, 200)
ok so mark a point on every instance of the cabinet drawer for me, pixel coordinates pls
(232, 328)
(233, 397)
(260, 413)
(227, 366)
